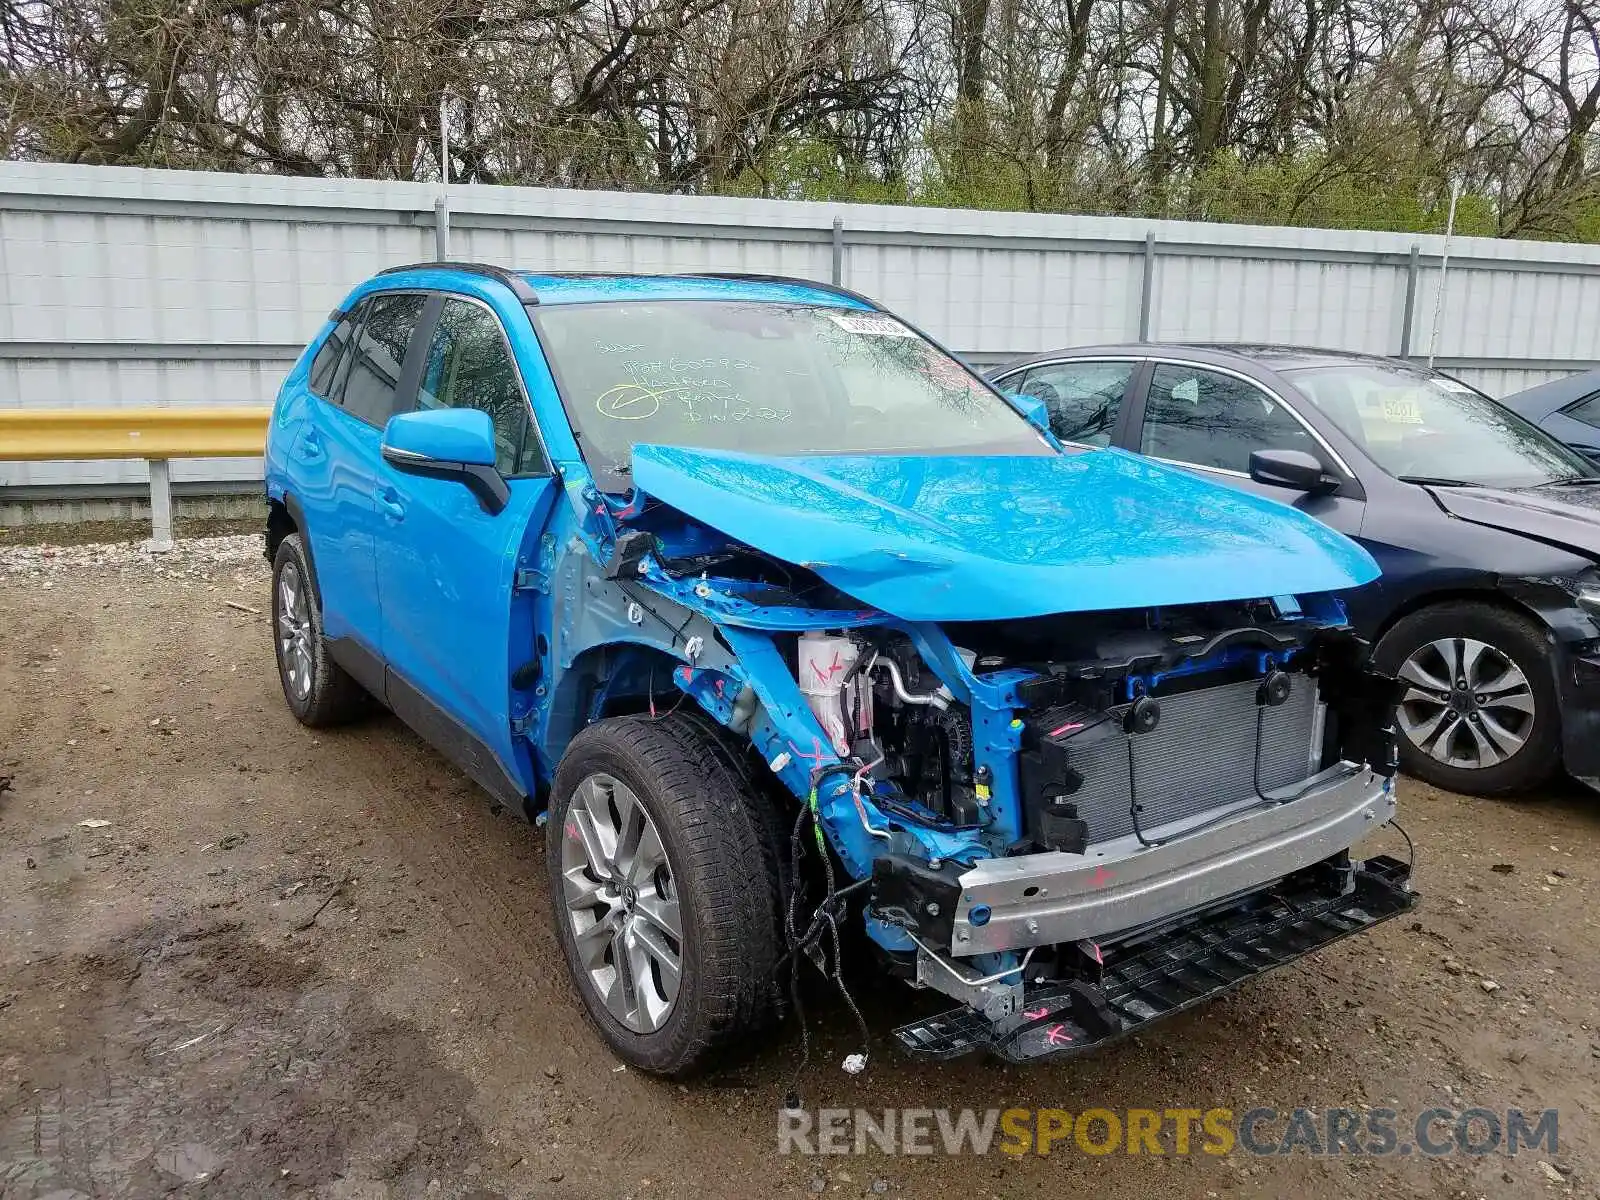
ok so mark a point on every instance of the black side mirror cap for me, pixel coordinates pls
(486, 483)
(1297, 469)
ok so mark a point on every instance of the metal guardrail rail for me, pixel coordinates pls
(156, 435)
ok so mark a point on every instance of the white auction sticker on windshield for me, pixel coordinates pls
(872, 324)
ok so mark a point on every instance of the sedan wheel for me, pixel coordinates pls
(1478, 712)
(1467, 704)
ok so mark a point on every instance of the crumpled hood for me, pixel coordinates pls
(984, 538)
(1568, 517)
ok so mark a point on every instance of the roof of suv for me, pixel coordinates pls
(541, 288)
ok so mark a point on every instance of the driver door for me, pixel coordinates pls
(456, 625)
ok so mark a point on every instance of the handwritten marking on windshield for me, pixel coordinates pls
(629, 402)
(695, 403)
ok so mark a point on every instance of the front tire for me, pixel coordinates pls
(318, 691)
(663, 894)
(1479, 714)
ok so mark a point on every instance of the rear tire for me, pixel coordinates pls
(1500, 734)
(318, 691)
(656, 862)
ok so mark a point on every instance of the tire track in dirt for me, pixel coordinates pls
(483, 872)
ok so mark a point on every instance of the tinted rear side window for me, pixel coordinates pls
(326, 363)
(379, 351)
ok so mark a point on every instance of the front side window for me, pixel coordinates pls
(1419, 425)
(1083, 398)
(768, 379)
(469, 365)
(1210, 419)
(371, 369)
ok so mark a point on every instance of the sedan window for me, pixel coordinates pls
(1419, 425)
(1586, 410)
(1209, 419)
(1082, 398)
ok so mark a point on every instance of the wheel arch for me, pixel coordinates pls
(609, 679)
(284, 517)
(1487, 596)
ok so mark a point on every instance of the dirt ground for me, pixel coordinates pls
(293, 964)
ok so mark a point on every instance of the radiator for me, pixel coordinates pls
(1202, 756)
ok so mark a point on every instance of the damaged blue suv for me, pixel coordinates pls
(783, 619)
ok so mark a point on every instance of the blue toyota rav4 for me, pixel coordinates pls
(783, 619)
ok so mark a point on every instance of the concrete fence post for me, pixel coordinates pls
(838, 252)
(1413, 266)
(1147, 289)
(160, 506)
(441, 229)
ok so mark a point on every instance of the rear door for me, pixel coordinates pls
(456, 625)
(1211, 420)
(336, 464)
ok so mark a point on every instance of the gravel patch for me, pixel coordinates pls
(189, 558)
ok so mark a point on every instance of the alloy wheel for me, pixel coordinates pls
(622, 902)
(1466, 703)
(294, 631)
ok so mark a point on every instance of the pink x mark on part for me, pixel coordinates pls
(1057, 1035)
(833, 669)
(1101, 877)
(1036, 1013)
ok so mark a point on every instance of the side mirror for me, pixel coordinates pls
(455, 444)
(1297, 469)
(1035, 409)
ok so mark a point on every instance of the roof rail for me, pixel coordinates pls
(518, 285)
(754, 277)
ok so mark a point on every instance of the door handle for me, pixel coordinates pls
(389, 500)
(311, 444)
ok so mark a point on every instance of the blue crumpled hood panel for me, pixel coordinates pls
(958, 538)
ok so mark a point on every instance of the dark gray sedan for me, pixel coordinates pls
(1567, 409)
(1487, 529)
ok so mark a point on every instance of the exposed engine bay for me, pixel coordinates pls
(1136, 738)
(1147, 719)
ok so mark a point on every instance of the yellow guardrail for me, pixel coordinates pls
(212, 431)
(154, 434)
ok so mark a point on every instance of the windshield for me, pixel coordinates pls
(1419, 425)
(765, 378)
